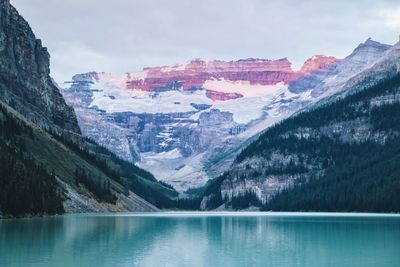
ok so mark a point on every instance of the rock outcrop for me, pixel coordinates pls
(316, 63)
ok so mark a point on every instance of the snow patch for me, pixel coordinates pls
(116, 81)
(244, 88)
(172, 154)
(138, 101)
(172, 167)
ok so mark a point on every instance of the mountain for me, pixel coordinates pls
(187, 122)
(47, 166)
(342, 154)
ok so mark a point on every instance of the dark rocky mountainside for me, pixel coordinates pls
(25, 83)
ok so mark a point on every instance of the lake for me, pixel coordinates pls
(202, 239)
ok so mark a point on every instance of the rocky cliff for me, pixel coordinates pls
(25, 83)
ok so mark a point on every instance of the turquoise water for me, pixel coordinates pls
(190, 239)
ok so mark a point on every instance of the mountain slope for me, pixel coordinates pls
(187, 122)
(69, 170)
(363, 173)
(25, 187)
(341, 155)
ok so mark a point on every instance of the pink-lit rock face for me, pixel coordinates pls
(317, 63)
(196, 73)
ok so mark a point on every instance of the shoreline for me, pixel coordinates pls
(183, 214)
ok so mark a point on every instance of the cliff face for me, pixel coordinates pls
(25, 83)
(200, 73)
(196, 72)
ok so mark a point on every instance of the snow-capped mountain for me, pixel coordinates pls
(185, 123)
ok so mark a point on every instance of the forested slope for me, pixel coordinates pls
(31, 159)
(341, 156)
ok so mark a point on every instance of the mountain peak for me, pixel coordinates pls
(372, 43)
(368, 49)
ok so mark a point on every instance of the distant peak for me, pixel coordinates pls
(370, 45)
(86, 77)
(316, 63)
(370, 42)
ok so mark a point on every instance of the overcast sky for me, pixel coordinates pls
(127, 35)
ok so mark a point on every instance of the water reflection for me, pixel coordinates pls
(92, 240)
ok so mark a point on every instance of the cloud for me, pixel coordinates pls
(391, 17)
(127, 35)
(73, 57)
